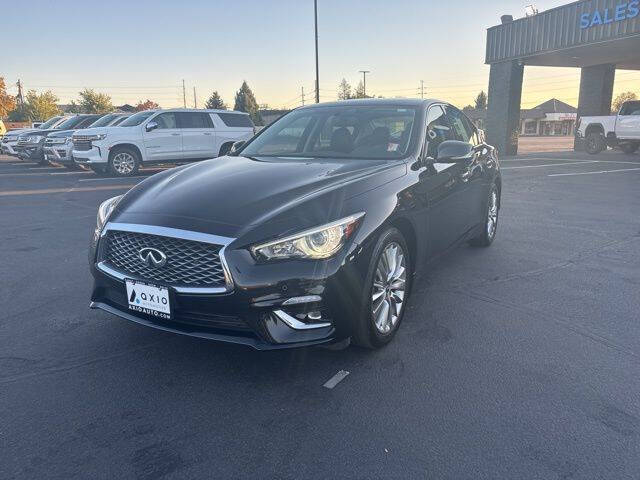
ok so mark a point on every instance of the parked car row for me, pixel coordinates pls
(119, 143)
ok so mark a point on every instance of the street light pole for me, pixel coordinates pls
(315, 13)
(364, 81)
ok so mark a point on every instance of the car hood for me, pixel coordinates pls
(101, 130)
(230, 196)
(63, 133)
(21, 131)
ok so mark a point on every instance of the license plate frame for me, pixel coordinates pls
(149, 298)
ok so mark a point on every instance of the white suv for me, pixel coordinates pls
(160, 136)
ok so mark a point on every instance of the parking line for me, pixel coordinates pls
(336, 379)
(550, 165)
(63, 190)
(106, 179)
(593, 173)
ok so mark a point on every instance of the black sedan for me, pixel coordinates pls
(309, 233)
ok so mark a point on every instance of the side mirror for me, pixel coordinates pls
(454, 151)
(151, 126)
(235, 148)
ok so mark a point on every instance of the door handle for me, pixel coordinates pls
(175, 134)
(207, 133)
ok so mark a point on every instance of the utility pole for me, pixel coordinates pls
(19, 97)
(315, 13)
(184, 95)
(364, 80)
(422, 89)
(303, 96)
(195, 100)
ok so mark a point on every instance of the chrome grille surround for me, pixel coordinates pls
(196, 262)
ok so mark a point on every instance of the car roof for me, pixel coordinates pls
(377, 102)
(197, 110)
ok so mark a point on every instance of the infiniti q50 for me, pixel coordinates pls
(309, 233)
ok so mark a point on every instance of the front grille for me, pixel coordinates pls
(81, 145)
(189, 263)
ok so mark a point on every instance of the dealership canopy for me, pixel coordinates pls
(596, 36)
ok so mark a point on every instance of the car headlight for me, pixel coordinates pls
(35, 138)
(316, 243)
(100, 136)
(105, 209)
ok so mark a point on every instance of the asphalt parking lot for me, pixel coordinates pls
(517, 361)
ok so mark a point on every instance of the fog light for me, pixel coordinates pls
(314, 316)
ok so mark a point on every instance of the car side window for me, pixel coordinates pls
(630, 108)
(165, 120)
(194, 120)
(438, 130)
(462, 128)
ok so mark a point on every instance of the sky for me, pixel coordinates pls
(134, 50)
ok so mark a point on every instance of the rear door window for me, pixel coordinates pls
(236, 120)
(194, 120)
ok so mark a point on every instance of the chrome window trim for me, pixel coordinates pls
(174, 233)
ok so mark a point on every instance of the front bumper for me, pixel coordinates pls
(59, 153)
(30, 151)
(90, 157)
(9, 148)
(271, 306)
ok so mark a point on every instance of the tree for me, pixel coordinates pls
(468, 108)
(246, 102)
(92, 102)
(7, 102)
(620, 99)
(215, 102)
(19, 114)
(481, 101)
(360, 93)
(41, 106)
(146, 105)
(344, 90)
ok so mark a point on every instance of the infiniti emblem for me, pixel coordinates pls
(152, 257)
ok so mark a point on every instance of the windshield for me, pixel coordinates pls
(103, 121)
(363, 131)
(70, 123)
(136, 119)
(49, 123)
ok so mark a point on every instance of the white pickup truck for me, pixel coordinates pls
(621, 130)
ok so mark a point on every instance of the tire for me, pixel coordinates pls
(595, 143)
(490, 226)
(375, 328)
(123, 162)
(630, 147)
(225, 149)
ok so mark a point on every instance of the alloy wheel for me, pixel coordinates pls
(389, 284)
(492, 214)
(123, 163)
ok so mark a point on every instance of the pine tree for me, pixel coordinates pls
(246, 102)
(481, 101)
(344, 90)
(215, 102)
